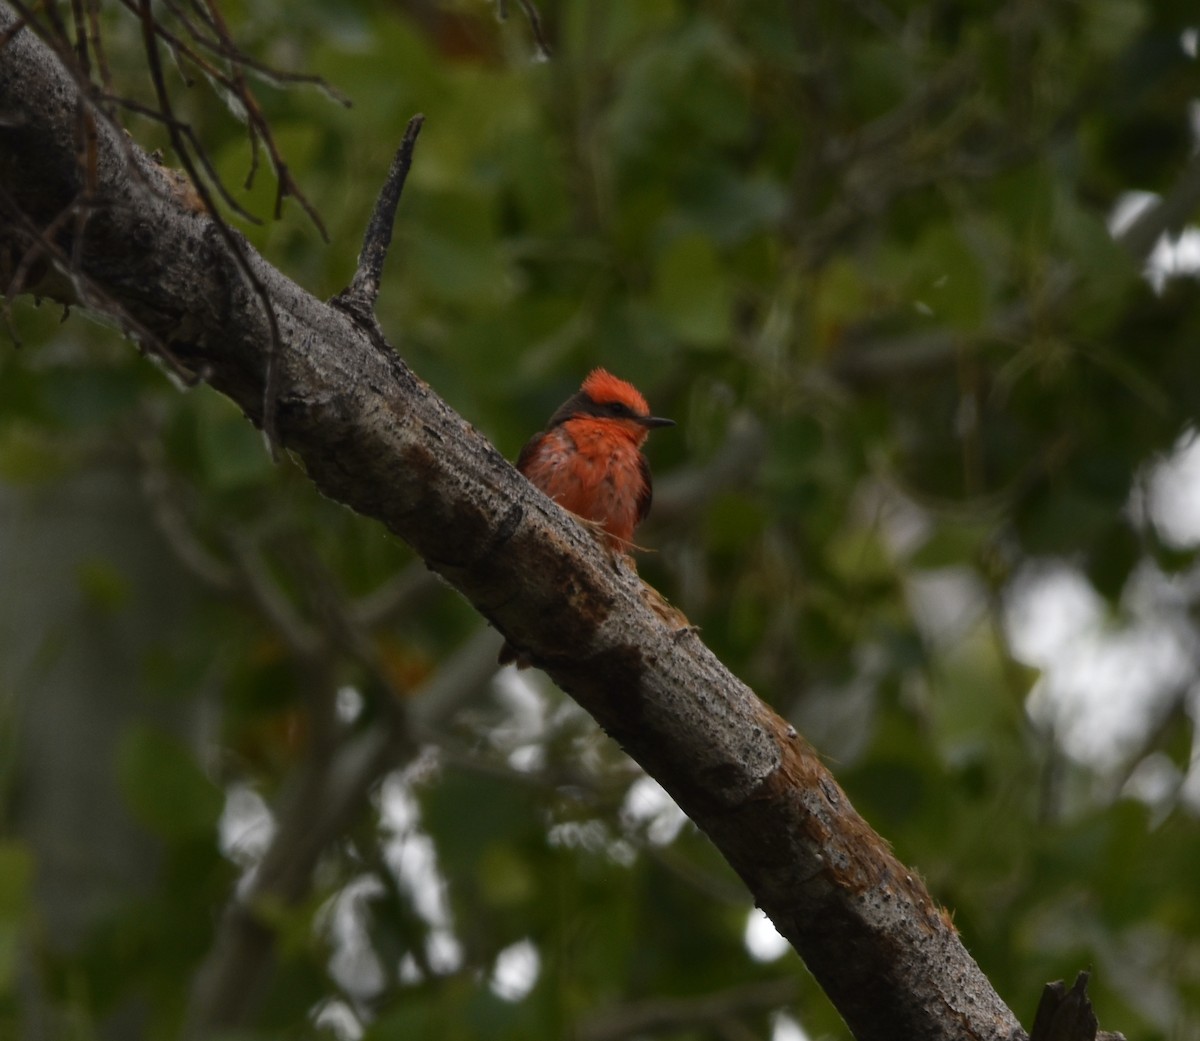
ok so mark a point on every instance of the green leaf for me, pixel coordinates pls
(1110, 25)
(950, 544)
(692, 292)
(16, 891)
(165, 787)
(451, 248)
(505, 878)
(232, 451)
(103, 585)
(974, 700)
(30, 454)
(950, 283)
(83, 398)
(16, 879)
(839, 298)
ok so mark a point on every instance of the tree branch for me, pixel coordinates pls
(374, 436)
(324, 800)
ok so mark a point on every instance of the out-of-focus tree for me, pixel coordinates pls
(886, 264)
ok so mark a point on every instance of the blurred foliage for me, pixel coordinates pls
(880, 230)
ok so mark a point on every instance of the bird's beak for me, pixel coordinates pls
(655, 421)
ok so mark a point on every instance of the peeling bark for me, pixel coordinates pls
(372, 435)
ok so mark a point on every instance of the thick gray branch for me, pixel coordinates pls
(374, 436)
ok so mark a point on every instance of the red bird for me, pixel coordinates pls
(588, 459)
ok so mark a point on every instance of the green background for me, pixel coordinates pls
(859, 251)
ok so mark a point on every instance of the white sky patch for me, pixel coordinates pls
(522, 732)
(410, 971)
(904, 525)
(246, 827)
(1103, 684)
(1128, 207)
(348, 704)
(947, 602)
(352, 962)
(412, 858)
(399, 811)
(516, 971)
(443, 951)
(1109, 677)
(1172, 256)
(592, 836)
(1155, 781)
(762, 939)
(1173, 494)
(525, 706)
(785, 1028)
(647, 806)
(1189, 791)
(527, 759)
(1050, 606)
(338, 1018)
(1103, 694)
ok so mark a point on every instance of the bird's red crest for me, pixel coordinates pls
(604, 388)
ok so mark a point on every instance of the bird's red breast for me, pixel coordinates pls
(596, 472)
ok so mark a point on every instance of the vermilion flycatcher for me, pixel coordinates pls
(589, 460)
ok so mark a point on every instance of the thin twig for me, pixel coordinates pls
(225, 49)
(81, 38)
(337, 621)
(179, 131)
(96, 41)
(187, 147)
(303, 641)
(163, 496)
(258, 127)
(396, 597)
(191, 156)
(535, 24)
(536, 27)
(285, 186)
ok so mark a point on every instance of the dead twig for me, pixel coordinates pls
(181, 135)
(358, 299)
(1067, 1015)
(535, 24)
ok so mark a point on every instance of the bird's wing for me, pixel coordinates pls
(527, 451)
(646, 496)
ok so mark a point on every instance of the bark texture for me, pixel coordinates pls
(372, 435)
